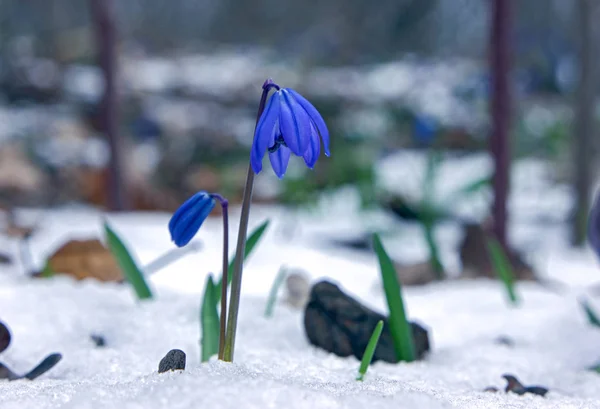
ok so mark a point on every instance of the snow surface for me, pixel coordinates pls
(274, 364)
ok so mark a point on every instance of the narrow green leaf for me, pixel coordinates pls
(474, 186)
(503, 268)
(434, 252)
(273, 293)
(130, 270)
(209, 318)
(590, 313)
(369, 351)
(251, 243)
(47, 270)
(399, 326)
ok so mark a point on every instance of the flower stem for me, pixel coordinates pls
(236, 282)
(223, 321)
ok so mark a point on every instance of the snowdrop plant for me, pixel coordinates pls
(287, 124)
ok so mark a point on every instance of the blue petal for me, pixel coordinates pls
(266, 130)
(594, 226)
(294, 124)
(315, 116)
(314, 148)
(279, 160)
(186, 221)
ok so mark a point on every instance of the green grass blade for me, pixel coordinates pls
(503, 268)
(130, 270)
(590, 313)
(251, 243)
(434, 252)
(273, 293)
(209, 319)
(399, 326)
(369, 351)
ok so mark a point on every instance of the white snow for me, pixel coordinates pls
(274, 364)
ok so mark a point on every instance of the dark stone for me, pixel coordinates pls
(340, 324)
(506, 341)
(4, 337)
(515, 386)
(491, 389)
(98, 340)
(5, 259)
(174, 360)
(475, 258)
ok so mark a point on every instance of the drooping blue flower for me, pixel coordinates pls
(289, 124)
(186, 221)
(594, 226)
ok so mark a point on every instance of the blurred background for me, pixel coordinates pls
(137, 104)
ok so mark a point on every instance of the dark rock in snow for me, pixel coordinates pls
(98, 340)
(174, 360)
(5, 337)
(515, 386)
(340, 324)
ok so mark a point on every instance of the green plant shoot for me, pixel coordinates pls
(251, 243)
(428, 217)
(503, 268)
(47, 271)
(399, 326)
(369, 351)
(128, 266)
(590, 313)
(209, 319)
(274, 290)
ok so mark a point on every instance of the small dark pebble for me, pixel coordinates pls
(5, 259)
(174, 360)
(491, 389)
(4, 337)
(504, 340)
(98, 340)
(515, 386)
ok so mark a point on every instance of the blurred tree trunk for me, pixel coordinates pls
(584, 117)
(501, 112)
(104, 22)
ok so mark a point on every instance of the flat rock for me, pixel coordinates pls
(340, 324)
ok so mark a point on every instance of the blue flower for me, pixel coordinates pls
(594, 226)
(186, 221)
(289, 124)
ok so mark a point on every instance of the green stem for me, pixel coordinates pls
(236, 282)
(223, 321)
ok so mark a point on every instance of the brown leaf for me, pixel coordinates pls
(86, 259)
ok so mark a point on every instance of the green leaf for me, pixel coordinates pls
(369, 351)
(399, 326)
(434, 252)
(47, 271)
(209, 318)
(273, 293)
(503, 268)
(251, 243)
(475, 186)
(590, 313)
(130, 270)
